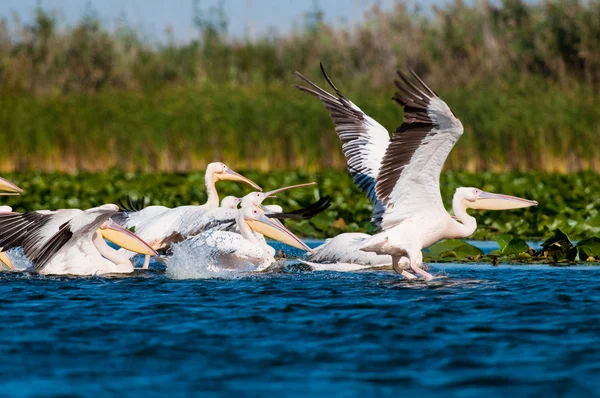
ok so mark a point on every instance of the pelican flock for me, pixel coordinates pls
(399, 174)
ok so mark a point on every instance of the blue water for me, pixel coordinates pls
(478, 330)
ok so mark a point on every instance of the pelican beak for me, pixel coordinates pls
(126, 239)
(275, 230)
(5, 260)
(8, 188)
(230, 175)
(271, 194)
(495, 201)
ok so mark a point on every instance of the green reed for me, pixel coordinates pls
(522, 76)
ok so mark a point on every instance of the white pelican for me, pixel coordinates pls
(401, 175)
(71, 241)
(243, 250)
(7, 188)
(224, 219)
(230, 202)
(161, 226)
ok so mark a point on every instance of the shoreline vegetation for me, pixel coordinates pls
(570, 202)
(523, 77)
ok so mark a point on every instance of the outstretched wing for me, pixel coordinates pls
(364, 141)
(409, 179)
(40, 233)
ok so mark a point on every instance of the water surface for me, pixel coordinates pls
(477, 330)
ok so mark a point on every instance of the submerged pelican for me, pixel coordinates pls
(401, 175)
(7, 188)
(71, 241)
(161, 226)
(243, 250)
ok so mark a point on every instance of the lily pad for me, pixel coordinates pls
(454, 248)
(503, 241)
(589, 249)
(559, 248)
(515, 246)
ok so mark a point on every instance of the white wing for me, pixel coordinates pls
(139, 218)
(409, 179)
(344, 249)
(180, 223)
(40, 233)
(364, 141)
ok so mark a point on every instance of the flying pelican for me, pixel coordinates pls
(161, 226)
(7, 188)
(401, 175)
(239, 251)
(71, 241)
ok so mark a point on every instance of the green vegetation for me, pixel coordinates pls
(557, 250)
(523, 77)
(277, 127)
(567, 202)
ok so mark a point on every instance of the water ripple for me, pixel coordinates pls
(479, 330)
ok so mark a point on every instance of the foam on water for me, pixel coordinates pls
(193, 259)
(19, 260)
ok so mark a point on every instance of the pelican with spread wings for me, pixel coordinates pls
(401, 176)
(71, 241)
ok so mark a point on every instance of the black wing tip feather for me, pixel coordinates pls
(16, 227)
(330, 82)
(412, 90)
(127, 204)
(55, 243)
(305, 213)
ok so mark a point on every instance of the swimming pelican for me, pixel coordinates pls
(243, 250)
(7, 188)
(230, 202)
(401, 175)
(221, 218)
(71, 241)
(161, 226)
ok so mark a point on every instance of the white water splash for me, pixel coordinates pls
(193, 259)
(18, 259)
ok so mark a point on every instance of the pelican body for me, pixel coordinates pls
(71, 241)
(243, 251)
(401, 175)
(161, 226)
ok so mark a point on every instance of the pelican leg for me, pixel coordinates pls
(146, 262)
(405, 263)
(400, 268)
(415, 264)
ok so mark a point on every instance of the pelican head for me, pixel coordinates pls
(259, 222)
(220, 172)
(230, 202)
(8, 188)
(126, 239)
(256, 198)
(475, 198)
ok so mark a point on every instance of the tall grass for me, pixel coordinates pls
(523, 77)
(277, 127)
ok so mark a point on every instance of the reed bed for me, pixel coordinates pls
(523, 77)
